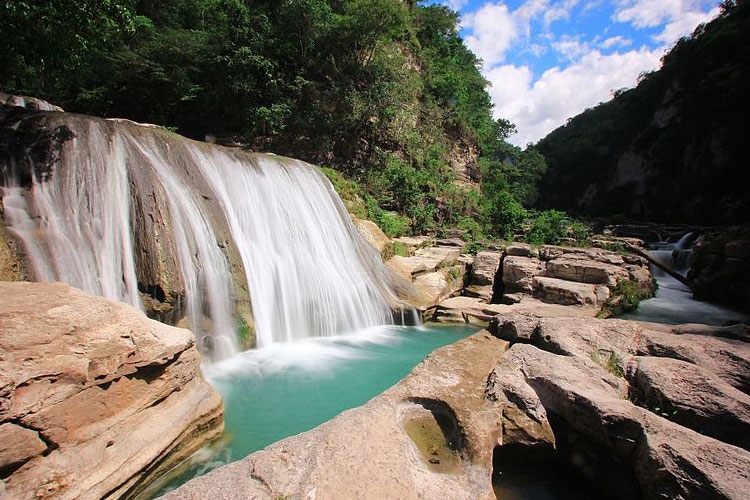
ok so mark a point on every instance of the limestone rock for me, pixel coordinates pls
(410, 267)
(27, 102)
(485, 266)
(521, 250)
(693, 397)
(90, 377)
(372, 234)
(557, 291)
(519, 273)
(618, 442)
(446, 256)
(441, 284)
(583, 271)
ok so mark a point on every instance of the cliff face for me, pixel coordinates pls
(672, 149)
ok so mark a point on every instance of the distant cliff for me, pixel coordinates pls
(676, 147)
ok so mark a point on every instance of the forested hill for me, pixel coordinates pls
(676, 147)
(383, 91)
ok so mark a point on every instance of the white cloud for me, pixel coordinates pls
(649, 13)
(539, 107)
(559, 11)
(616, 41)
(571, 47)
(492, 32)
(684, 25)
(494, 29)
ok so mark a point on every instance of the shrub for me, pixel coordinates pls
(551, 226)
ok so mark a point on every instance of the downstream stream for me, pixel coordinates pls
(285, 389)
(673, 302)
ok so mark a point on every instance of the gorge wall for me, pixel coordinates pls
(673, 149)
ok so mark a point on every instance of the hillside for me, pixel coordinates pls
(672, 149)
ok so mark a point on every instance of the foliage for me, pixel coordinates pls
(474, 247)
(624, 297)
(400, 249)
(552, 226)
(378, 90)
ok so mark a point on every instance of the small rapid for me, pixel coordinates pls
(673, 302)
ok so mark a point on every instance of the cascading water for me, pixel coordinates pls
(307, 270)
(673, 302)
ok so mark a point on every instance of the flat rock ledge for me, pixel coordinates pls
(634, 411)
(95, 398)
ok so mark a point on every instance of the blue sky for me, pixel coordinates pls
(548, 60)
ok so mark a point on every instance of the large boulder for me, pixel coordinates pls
(484, 270)
(372, 233)
(95, 398)
(630, 451)
(720, 267)
(694, 397)
(557, 291)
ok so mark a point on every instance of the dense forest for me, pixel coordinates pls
(672, 149)
(383, 93)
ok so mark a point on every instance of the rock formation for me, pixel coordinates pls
(720, 267)
(95, 398)
(634, 410)
(458, 287)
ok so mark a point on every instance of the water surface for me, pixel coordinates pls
(285, 389)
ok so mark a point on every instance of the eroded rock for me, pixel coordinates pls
(88, 378)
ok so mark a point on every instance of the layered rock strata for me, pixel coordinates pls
(642, 410)
(458, 287)
(95, 398)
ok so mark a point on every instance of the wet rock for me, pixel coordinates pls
(90, 377)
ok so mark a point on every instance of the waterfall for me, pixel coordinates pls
(228, 220)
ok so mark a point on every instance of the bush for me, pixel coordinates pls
(551, 226)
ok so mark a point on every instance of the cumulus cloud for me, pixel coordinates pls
(586, 76)
(492, 32)
(494, 28)
(684, 25)
(538, 107)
